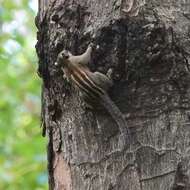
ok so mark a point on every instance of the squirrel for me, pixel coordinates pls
(94, 86)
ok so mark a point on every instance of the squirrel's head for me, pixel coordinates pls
(63, 58)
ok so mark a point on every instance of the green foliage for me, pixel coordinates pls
(22, 148)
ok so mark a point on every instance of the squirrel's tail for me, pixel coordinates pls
(116, 114)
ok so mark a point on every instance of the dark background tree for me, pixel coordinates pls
(147, 45)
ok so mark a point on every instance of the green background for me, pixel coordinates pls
(22, 148)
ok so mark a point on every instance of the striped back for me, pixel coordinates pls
(86, 85)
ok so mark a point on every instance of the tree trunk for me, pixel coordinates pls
(147, 45)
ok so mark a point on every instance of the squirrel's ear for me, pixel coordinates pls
(69, 53)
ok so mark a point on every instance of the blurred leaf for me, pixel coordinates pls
(22, 149)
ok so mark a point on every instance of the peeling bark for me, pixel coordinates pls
(147, 44)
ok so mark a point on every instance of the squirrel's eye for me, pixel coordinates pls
(65, 55)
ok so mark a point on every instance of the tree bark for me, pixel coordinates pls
(147, 44)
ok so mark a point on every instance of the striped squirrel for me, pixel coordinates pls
(92, 85)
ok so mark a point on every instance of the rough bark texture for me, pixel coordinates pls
(147, 43)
